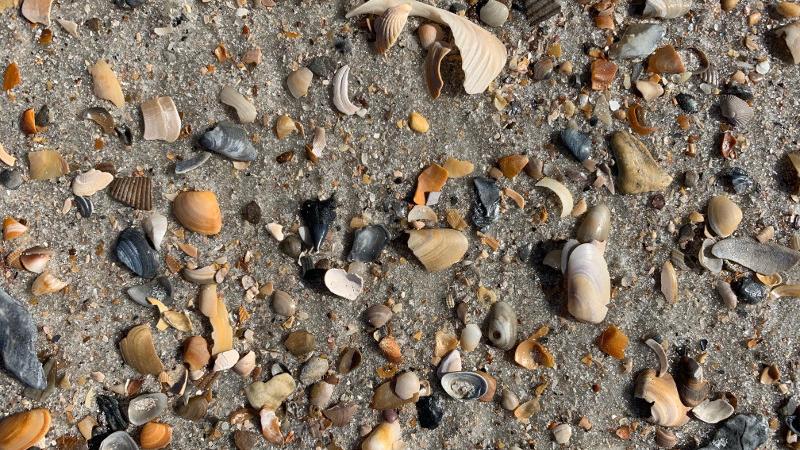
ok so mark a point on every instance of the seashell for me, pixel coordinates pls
(766, 258)
(530, 354)
(669, 282)
(578, 143)
(90, 182)
(596, 225)
(509, 400)
(161, 119)
(588, 284)
(422, 213)
(343, 284)
(147, 407)
(271, 427)
(271, 394)
(283, 303)
(389, 26)
(713, 411)
(136, 192)
(246, 364)
(25, 429)
(785, 290)
(222, 336)
(492, 383)
(299, 343)
(378, 315)
(13, 229)
(195, 352)
(28, 122)
(118, 440)
(284, 126)
(340, 414)
(203, 276)
(187, 165)
(666, 409)
(450, 363)
(433, 67)
(102, 117)
(791, 38)
(349, 360)
(561, 191)
(464, 385)
(562, 433)
(432, 179)
(133, 251)
(740, 180)
(383, 437)
(457, 168)
(613, 342)
(225, 360)
(46, 284)
(667, 9)
(368, 243)
(714, 265)
(692, 386)
(245, 109)
(341, 97)
(512, 165)
(406, 385)
(37, 11)
(501, 326)
(155, 226)
(771, 374)
(735, 110)
(665, 60)
(35, 259)
(494, 13)
(194, 408)
(390, 349)
(46, 165)
(649, 90)
(438, 248)
(687, 103)
(11, 76)
(638, 171)
(84, 205)
(483, 56)
(318, 215)
(314, 369)
(665, 438)
(724, 215)
(321, 393)
(428, 33)
(230, 141)
(139, 352)
(638, 41)
(603, 73)
(788, 9)
(470, 337)
(106, 85)
(538, 11)
(155, 435)
(17, 344)
(198, 211)
(298, 82)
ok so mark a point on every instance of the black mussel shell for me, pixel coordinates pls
(687, 103)
(318, 215)
(749, 290)
(368, 243)
(85, 206)
(135, 253)
(578, 143)
(430, 411)
(486, 207)
(743, 92)
(109, 406)
(187, 165)
(230, 141)
(18, 343)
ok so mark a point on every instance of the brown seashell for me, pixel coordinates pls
(491, 382)
(161, 119)
(665, 60)
(596, 225)
(432, 179)
(729, 5)
(198, 211)
(195, 352)
(666, 409)
(389, 26)
(512, 165)
(11, 77)
(391, 349)
(340, 414)
(665, 438)
(155, 435)
(222, 334)
(791, 38)
(13, 229)
(457, 168)
(635, 116)
(378, 315)
(24, 430)
(37, 11)
(106, 85)
(349, 360)
(735, 110)
(538, 11)
(35, 259)
(693, 388)
(136, 192)
(428, 33)
(46, 283)
(299, 81)
(195, 408)
(321, 393)
(526, 410)
(284, 126)
(384, 398)
(300, 343)
(724, 216)
(139, 352)
(27, 122)
(613, 342)
(788, 9)
(207, 301)
(669, 282)
(530, 354)
(46, 165)
(438, 248)
(603, 73)
(433, 67)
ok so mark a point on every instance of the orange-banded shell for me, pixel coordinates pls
(24, 430)
(12, 228)
(438, 249)
(724, 215)
(198, 211)
(161, 119)
(47, 283)
(136, 192)
(139, 352)
(588, 284)
(155, 435)
(46, 165)
(389, 26)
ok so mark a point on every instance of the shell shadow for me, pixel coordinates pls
(551, 280)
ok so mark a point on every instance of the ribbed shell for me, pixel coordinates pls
(135, 253)
(136, 192)
(735, 110)
(161, 119)
(389, 27)
(538, 11)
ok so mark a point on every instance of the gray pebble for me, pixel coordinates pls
(11, 179)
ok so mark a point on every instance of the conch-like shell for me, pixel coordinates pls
(24, 430)
(161, 119)
(37, 11)
(198, 211)
(155, 435)
(106, 85)
(433, 67)
(666, 409)
(139, 352)
(482, 54)
(437, 249)
(501, 326)
(588, 284)
(341, 99)
(667, 9)
(245, 109)
(389, 26)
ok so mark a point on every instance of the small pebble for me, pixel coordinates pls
(418, 122)
(11, 179)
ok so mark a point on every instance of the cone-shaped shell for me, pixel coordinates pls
(136, 192)
(389, 26)
(161, 119)
(106, 85)
(139, 352)
(724, 215)
(588, 284)
(23, 430)
(155, 435)
(437, 249)
(198, 211)
(666, 409)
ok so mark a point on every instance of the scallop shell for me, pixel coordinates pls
(47, 283)
(596, 225)
(666, 409)
(88, 183)
(147, 407)
(735, 110)
(433, 67)
(724, 215)
(139, 352)
(37, 11)
(46, 165)
(155, 435)
(299, 81)
(389, 26)
(106, 85)
(588, 284)
(537, 11)
(667, 9)
(135, 253)
(501, 326)
(438, 248)
(341, 99)
(161, 119)
(13, 229)
(464, 385)
(136, 192)
(25, 429)
(245, 109)
(230, 141)
(198, 211)
(118, 440)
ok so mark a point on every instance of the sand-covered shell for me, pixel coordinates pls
(638, 170)
(118, 440)
(501, 326)
(389, 26)
(588, 284)
(299, 81)
(724, 215)
(666, 409)
(88, 183)
(438, 248)
(155, 435)
(136, 192)
(368, 243)
(37, 11)
(667, 9)
(161, 119)
(765, 258)
(135, 253)
(106, 85)
(596, 224)
(146, 407)
(230, 141)
(245, 110)
(464, 385)
(23, 430)
(639, 40)
(46, 165)
(198, 211)
(735, 110)
(494, 13)
(139, 352)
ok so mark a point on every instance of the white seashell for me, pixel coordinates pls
(667, 9)
(245, 109)
(319, 142)
(564, 196)
(341, 97)
(37, 11)
(450, 363)
(713, 411)
(226, 360)
(161, 119)
(562, 433)
(406, 385)
(494, 13)
(422, 213)
(343, 284)
(649, 90)
(88, 183)
(246, 364)
(588, 284)
(70, 27)
(470, 337)
(389, 26)
(791, 36)
(569, 246)
(155, 226)
(276, 230)
(299, 81)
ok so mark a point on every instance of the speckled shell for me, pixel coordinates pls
(667, 9)
(588, 284)
(230, 141)
(146, 407)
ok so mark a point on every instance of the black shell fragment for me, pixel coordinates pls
(230, 141)
(486, 208)
(687, 103)
(749, 290)
(160, 289)
(17, 336)
(740, 180)
(368, 243)
(109, 406)
(318, 215)
(85, 206)
(187, 165)
(578, 143)
(430, 411)
(135, 253)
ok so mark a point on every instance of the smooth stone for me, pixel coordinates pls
(430, 411)
(638, 171)
(11, 179)
(18, 343)
(741, 432)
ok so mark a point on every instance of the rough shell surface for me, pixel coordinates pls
(667, 9)
(389, 26)
(17, 343)
(638, 171)
(230, 141)
(136, 192)
(147, 407)
(735, 110)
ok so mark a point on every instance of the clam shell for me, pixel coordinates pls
(724, 215)
(341, 97)
(194, 408)
(155, 435)
(428, 33)
(13, 229)
(464, 385)
(222, 334)
(147, 407)
(299, 81)
(494, 13)
(406, 385)
(271, 394)
(84, 205)
(667, 9)
(538, 11)
(37, 11)
(735, 110)
(639, 40)
(470, 337)
(349, 360)
(88, 183)
(450, 363)
(155, 226)
(133, 251)
(725, 291)
(195, 353)
(578, 143)
(139, 352)
(18, 344)
(588, 284)
(340, 414)
(666, 409)
(530, 354)
(230, 141)
(161, 119)
(669, 282)
(245, 109)
(562, 433)
(692, 387)
(198, 211)
(106, 85)
(713, 411)
(35, 259)
(389, 26)
(25, 429)
(47, 283)
(492, 386)
(501, 326)
(649, 90)
(318, 215)
(764, 258)
(378, 315)
(283, 303)
(596, 225)
(300, 343)
(368, 243)
(46, 165)
(136, 192)
(438, 248)
(118, 440)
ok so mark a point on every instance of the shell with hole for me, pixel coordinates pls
(389, 26)
(438, 248)
(501, 326)
(198, 211)
(25, 429)
(161, 119)
(588, 284)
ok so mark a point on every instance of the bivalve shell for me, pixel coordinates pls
(299, 81)
(428, 33)
(378, 315)
(195, 352)
(368, 243)
(147, 407)
(713, 411)
(136, 192)
(198, 211)
(464, 385)
(470, 337)
(562, 433)
(340, 414)
(12, 228)
(118, 440)
(283, 303)
(135, 253)
(24, 430)
(666, 409)
(37, 11)
(439, 248)
(155, 435)
(139, 352)
(88, 183)
(230, 141)
(341, 99)
(596, 225)
(225, 360)
(501, 327)
(665, 60)
(389, 26)
(724, 216)
(106, 85)
(494, 13)
(47, 283)
(588, 284)
(343, 284)
(161, 119)
(735, 110)
(246, 364)
(155, 226)
(245, 109)
(383, 437)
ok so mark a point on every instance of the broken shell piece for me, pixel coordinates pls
(69, 26)
(155, 226)
(25, 429)
(118, 440)
(457, 168)
(638, 171)
(724, 215)
(665, 60)
(428, 33)
(766, 258)
(386, 436)
(225, 360)
(230, 141)
(389, 26)
(195, 353)
(37, 11)
(139, 352)
(106, 85)
(299, 81)
(784, 290)
(524, 411)
(35, 259)
(102, 117)
(669, 282)
(665, 438)
(512, 165)
(271, 427)
(714, 265)
(432, 179)
(11, 77)
(501, 326)
(439, 248)
(46, 165)
(588, 284)
(46, 284)
(272, 393)
(136, 192)
(203, 276)
(155, 435)
(667, 9)
(561, 191)
(666, 408)
(343, 284)
(369, 242)
(246, 364)
(713, 411)
(530, 354)
(340, 414)
(12, 229)
(693, 388)
(222, 334)
(639, 40)
(88, 183)
(391, 349)
(161, 119)
(433, 68)
(791, 37)
(341, 99)
(146, 407)
(245, 109)
(725, 291)
(28, 122)
(464, 385)
(658, 349)
(613, 342)
(649, 90)
(198, 211)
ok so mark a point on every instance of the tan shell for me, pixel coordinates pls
(37, 11)
(433, 67)
(222, 334)
(204, 276)
(155, 435)
(439, 248)
(321, 393)
(613, 342)
(649, 89)
(724, 215)
(271, 427)
(406, 385)
(270, 394)
(46, 165)
(136, 192)
(596, 226)
(24, 430)
(389, 26)
(46, 283)
(384, 397)
(667, 9)
(665, 438)
(669, 282)
(35, 259)
(246, 364)
(666, 409)
(383, 437)
(13, 229)
(428, 33)
(161, 119)
(198, 211)
(512, 165)
(139, 352)
(791, 37)
(561, 191)
(245, 109)
(588, 284)
(88, 183)
(225, 360)
(106, 85)
(299, 81)
(195, 352)
(457, 168)
(530, 354)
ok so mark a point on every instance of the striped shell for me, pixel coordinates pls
(538, 11)
(667, 9)
(735, 110)
(161, 119)
(389, 26)
(136, 192)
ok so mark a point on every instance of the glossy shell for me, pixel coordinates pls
(161, 119)
(198, 211)
(638, 41)
(501, 326)
(24, 430)
(299, 81)
(119, 440)
(578, 143)
(588, 284)
(596, 225)
(135, 253)
(245, 110)
(724, 215)
(139, 352)
(666, 409)
(230, 141)
(438, 248)
(155, 435)
(368, 243)
(464, 385)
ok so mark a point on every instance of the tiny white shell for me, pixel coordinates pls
(343, 284)
(470, 337)
(155, 226)
(226, 360)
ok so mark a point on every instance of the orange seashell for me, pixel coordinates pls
(512, 165)
(28, 122)
(432, 179)
(155, 435)
(613, 342)
(198, 211)
(11, 77)
(222, 334)
(106, 85)
(634, 111)
(195, 352)
(530, 354)
(603, 73)
(136, 192)
(390, 349)
(665, 60)
(491, 382)
(46, 283)
(12, 229)
(24, 430)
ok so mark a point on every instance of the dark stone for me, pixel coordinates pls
(318, 215)
(85, 206)
(740, 432)
(135, 253)
(17, 336)
(252, 212)
(486, 207)
(342, 45)
(690, 178)
(322, 66)
(430, 411)
(657, 201)
(129, 3)
(42, 118)
(11, 179)
(368, 243)
(291, 246)
(743, 92)
(749, 290)
(109, 406)
(740, 180)
(687, 103)
(578, 143)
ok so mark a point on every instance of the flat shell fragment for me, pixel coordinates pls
(433, 68)
(37, 11)
(766, 258)
(136, 192)
(368, 243)
(665, 60)
(669, 282)
(613, 342)
(713, 411)
(161, 119)
(139, 352)
(245, 109)
(299, 81)
(46, 165)
(47, 283)
(106, 85)
(343, 284)
(437, 249)
(25, 429)
(18, 343)
(791, 38)
(432, 179)
(639, 40)
(88, 183)
(11, 77)
(222, 334)
(561, 191)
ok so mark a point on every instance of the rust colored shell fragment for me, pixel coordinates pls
(613, 342)
(432, 179)
(603, 73)
(634, 111)
(665, 60)
(433, 67)
(11, 77)
(136, 192)
(28, 122)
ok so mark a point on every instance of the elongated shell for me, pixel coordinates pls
(389, 26)
(588, 284)
(501, 326)
(245, 109)
(341, 97)
(90, 182)
(433, 67)
(198, 211)
(106, 85)
(735, 110)
(596, 225)
(136, 192)
(669, 282)
(24, 430)
(437, 249)
(667, 9)
(139, 352)
(161, 119)
(230, 141)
